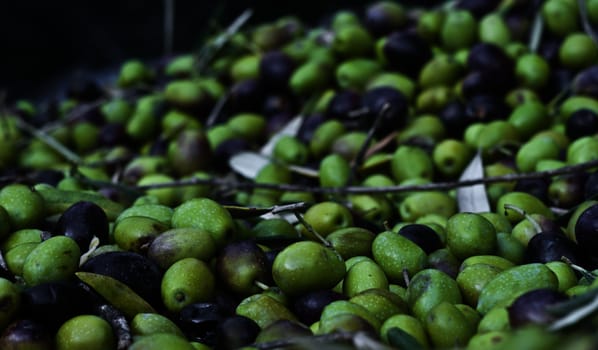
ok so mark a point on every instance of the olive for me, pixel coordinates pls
(476, 7)
(275, 69)
(532, 307)
(246, 96)
(200, 321)
(82, 222)
(384, 17)
(547, 246)
(455, 119)
(586, 82)
(486, 108)
(536, 187)
(489, 58)
(375, 100)
(308, 307)
(235, 332)
(422, 235)
(586, 229)
(27, 334)
(55, 302)
(278, 103)
(138, 272)
(406, 52)
(583, 122)
(342, 104)
(479, 82)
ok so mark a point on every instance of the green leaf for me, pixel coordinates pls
(403, 340)
(116, 293)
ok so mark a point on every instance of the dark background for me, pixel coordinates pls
(43, 43)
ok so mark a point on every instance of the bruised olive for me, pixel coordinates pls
(422, 235)
(532, 307)
(240, 265)
(82, 221)
(406, 52)
(138, 272)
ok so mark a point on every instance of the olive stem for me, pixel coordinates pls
(50, 141)
(358, 161)
(437, 186)
(311, 230)
(93, 245)
(587, 274)
(406, 277)
(533, 221)
(536, 32)
(261, 285)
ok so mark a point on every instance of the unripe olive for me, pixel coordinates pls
(578, 51)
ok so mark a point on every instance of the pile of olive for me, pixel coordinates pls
(97, 255)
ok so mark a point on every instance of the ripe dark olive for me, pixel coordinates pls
(374, 101)
(138, 272)
(422, 235)
(278, 103)
(531, 307)
(545, 247)
(586, 230)
(489, 58)
(309, 126)
(226, 149)
(485, 83)
(55, 302)
(382, 18)
(246, 96)
(112, 134)
(82, 221)
(582, 122)
(235, 332)
(591, 186)
(275, 68)
(586, 82)
(567, 191)
(200, 321)
(484, 108)
(536, 187)
(478, 8)
(47, 176)
(27, 334)
(308, 307)
(454, 119)
(559, 80)
(342, 104)
(407, 52)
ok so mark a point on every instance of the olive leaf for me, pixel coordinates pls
(577, 314)
(116, 293)
(473, 199)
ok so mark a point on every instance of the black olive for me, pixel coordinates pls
(382, 18)
(479, 83)
(308, 307)
(478, 8)
(27, 334)
(235, 332)
(246, 96)
(342, 104)
(582, 122)
(422, 235)
(532, 307)
(199, 321)
(485, 108)
(375, 100)
(406, 52)
(489, 58)
(545, 247)
(138, 272)
(275, 69)
(586, 82)
(278, 103)
(536, 187)
(53, 303)
(454, 119)
(81, 222)
(226, 149)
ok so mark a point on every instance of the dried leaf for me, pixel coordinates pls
(473, 199)
(291, 129)
(248, 164)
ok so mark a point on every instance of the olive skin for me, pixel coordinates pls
(531, 307)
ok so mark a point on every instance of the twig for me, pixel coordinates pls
(69, 155)
(438, 186)
(358, 161)
(536, 32)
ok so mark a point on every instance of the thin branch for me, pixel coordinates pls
(50, 141)
(438, 186)
(358, 161)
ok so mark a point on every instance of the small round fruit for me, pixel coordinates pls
(85, 332)
(307, 266)
(470, 234)
(25, 207)
(187, 281)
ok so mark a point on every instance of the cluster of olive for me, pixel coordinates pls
(97, 255)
